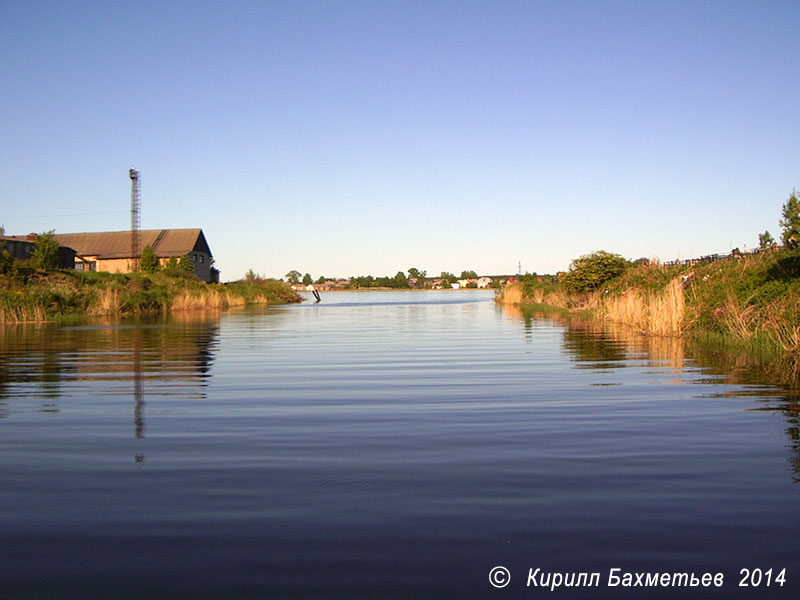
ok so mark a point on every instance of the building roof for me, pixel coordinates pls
(117, 244)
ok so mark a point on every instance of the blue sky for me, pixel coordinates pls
(345, 138)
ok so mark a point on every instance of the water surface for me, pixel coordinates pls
(382, 445)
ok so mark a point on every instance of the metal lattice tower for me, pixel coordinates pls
(136, 201)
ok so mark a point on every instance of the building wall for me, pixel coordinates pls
(202, 264)
(114, 265)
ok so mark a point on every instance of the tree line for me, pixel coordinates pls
(416, 278)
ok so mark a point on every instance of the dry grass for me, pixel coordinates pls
(20, 313)
(653, 313)
(739, 320)
(557, 298)
(107, 302)
(511, 294)
(35, 296)
(200, 299)
(783, 328)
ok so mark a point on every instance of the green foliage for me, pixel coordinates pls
(6, 260)
(149, 261)
(182, 267)
(590, 271)
(293, 276)
(185, 264)
(307, 279)
(45, 255)
(532, 281)
(790, 222)
(765, 240)
(468, 275)
(257, 289)
(400, 280)
(414, 273)
(37, 296)
(448, 277)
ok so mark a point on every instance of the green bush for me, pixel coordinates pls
(149, 261)
(45, 255)
(590, 271)
(790, 222)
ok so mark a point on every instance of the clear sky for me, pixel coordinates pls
(345, 138)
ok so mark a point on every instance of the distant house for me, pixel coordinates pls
(22, 248)
(484, 282)
(110, 251)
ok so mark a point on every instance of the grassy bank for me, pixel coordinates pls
(751, 303)
(40, 296)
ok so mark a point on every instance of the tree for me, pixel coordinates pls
(45, 255)
(321, 280)
(448, 277)
(791, 222)
(765, 240)
(590, 271)
(307, 279)
(6, 260)
(172, 265)
(469, 275)
(293, 276)
(399, 280)
(149, 261)
(185, 264)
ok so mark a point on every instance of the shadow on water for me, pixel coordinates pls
(774, 386)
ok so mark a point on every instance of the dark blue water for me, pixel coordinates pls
(384, 445)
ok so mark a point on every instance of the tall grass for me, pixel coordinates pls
(18, 310)
(512, 294)
(660, 312)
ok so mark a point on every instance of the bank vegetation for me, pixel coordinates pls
(29, 294)
(749, 302)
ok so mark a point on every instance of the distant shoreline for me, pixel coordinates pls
(387, 289)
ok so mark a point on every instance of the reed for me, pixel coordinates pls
(557, 297)
(739, 319)
(653, 313)
(18, 310)
(107, 301)
(511, 294)
(200, 299)
(783, 328)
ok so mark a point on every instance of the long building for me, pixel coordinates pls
(110, 251)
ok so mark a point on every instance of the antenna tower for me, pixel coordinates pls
(136, 201)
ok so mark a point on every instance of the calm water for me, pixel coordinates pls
(384, 445)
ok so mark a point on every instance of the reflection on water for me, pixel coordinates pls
(44, 367)
(390, 445)
(774, 385)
